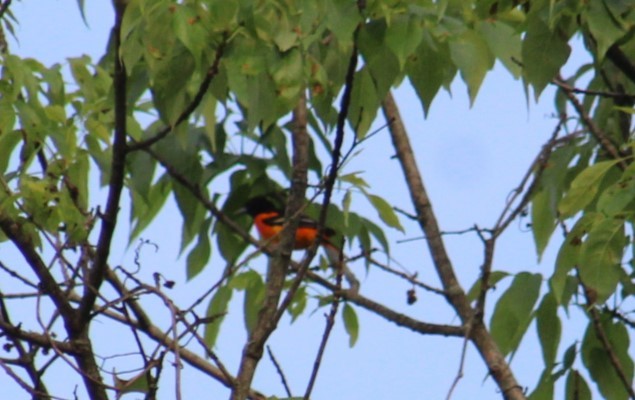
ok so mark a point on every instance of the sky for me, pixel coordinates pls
(470, 159)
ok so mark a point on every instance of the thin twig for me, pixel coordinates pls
(330, 322)
(410, 278)
(279, 370)
(600, 93)
(600, 136)
(459, 374)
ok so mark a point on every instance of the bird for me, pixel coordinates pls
(269, 221)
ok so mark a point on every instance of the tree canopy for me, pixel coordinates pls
(208, 103)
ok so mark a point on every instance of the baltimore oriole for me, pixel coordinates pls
(269, 221)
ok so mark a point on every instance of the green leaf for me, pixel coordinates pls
(598, 363)
(138, 384)
(374, 230)
(472, 56)
(403, 35)
(169, 83)
(504, 42)
(576, 387)
(382, 62)
(549, 329)
(141, 167)
(351, 324)
(216, 310)
(513, 311)
(364, 102)
(429, 69)
(189, 29)
(343, 19)
(544, 390)
(543, 220)
(230, 244)
(261, 103)
(192, 212)
(601, 256)
(199, 255)
(298, 303)
(494, 278)
(354, 179)
(614, 199)
(254, 296)
(8, 142)
(144, 210)
(80, 5)
(569, 254)
(544, 52)
(603, 27)
(569, 356)
(584, 188)
(385, 211)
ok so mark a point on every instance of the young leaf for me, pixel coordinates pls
(351, 324)
(513, 311)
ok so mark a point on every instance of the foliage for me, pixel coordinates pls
(207, 103)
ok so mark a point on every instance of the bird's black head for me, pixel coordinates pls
(258, 205)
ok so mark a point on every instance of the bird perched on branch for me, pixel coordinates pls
(269, 221)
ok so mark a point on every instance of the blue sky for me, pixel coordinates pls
(470, 158)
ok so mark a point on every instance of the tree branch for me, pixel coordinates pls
(454, 293)
(109, 217)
